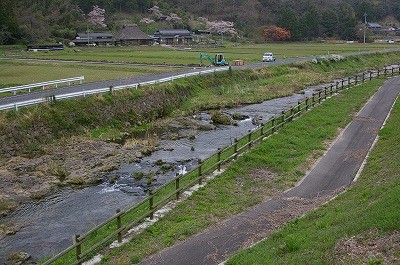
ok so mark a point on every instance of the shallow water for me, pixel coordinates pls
(49, 224)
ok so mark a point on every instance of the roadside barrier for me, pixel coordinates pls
(84, 93)
(114, 227)
(14, 89)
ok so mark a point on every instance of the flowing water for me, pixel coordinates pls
(49, 225)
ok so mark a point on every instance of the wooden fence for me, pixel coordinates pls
(113, 228)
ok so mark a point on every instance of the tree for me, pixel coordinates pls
(289, 20)
(310, 23)
(275, 33)
(347, 23)
(9, 30)
(221, 27)
(330, 22)
(96, 17)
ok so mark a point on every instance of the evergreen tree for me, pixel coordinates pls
(288, 19)
(329, 23)
(9, 30)
(347, 23)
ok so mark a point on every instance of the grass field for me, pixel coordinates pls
(299, 142)
(15, 73)
(369, 212)
(190, 56)
(26, 72)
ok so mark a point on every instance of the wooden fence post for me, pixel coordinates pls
(341, 86)
(119, 225)
(291, 113)
(262, 128)
(283, 117)
(378, 72)
(363, 77)
(219, 159)
(235, 148)
(78, 247)
(370, 75)
(249, 140)
(319, 97)
(355, 79)
(348, 81)
(385, 71)
(313, 99)
(325, 92)
(298, 106)
(178, 176)
(392, 71)
(151, 203)
(273, 124)
(331, 88)
(200, 173)
(306, 103)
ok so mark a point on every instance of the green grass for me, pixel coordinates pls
(238, 187)
(15, 73)
(257, 85)
(166, 55)
(372, 203)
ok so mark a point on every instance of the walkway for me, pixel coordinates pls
(330, 175)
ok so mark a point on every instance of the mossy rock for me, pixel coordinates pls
(221, 118)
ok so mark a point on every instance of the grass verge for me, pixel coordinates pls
(369, 207)
(242, 185)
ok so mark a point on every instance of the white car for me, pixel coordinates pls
(268, 57)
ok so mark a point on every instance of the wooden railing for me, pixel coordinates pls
(114, 227)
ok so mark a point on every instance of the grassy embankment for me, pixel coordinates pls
(273, 166)
(29, 128)
(369, 211)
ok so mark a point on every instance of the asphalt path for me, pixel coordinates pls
(15, 99)
(330, 174)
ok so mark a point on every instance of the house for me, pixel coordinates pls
(372, 25)
(93, 39)
(45, 47)
(173, 36)
(130, 34)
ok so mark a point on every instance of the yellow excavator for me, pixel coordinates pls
(218, 59)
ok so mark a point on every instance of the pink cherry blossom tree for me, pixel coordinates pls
(222, 27)
(96, 17)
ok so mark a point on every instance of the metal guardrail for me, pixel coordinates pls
(42, 84)
(103, 90)
(120, 223)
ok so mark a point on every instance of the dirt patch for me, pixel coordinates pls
(370, 248)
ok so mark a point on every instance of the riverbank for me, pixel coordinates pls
(35, 164)
(361, 226)
(266, 171)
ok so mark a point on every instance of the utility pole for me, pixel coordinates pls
(365, 25)
(88, 39)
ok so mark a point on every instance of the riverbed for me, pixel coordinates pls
(47, 226)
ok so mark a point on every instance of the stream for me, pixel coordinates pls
(47, 226)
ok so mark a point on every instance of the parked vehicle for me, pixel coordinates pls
(268, 57)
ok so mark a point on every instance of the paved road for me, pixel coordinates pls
(117, 82)
(334, 171)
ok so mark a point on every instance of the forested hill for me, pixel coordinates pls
(27, 21)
